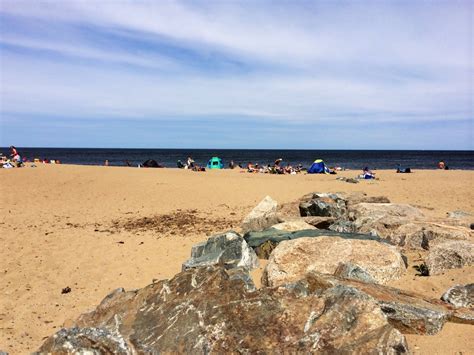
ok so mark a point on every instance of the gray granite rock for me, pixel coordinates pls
(354, 272)
(407, 311)
(206, 311)
(263, 216)
(460, 296)
(228, 249)
(451, 254)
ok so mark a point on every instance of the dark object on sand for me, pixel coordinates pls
(422, 270)
(150, 163)
(402, 170)
(66, 290)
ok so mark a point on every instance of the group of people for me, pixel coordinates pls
(190, 164)
(13, 161)
(276, 168)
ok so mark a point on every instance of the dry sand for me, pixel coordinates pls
(94, 229)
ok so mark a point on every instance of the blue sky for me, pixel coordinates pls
(228, 74)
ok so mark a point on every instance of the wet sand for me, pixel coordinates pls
(94, 229)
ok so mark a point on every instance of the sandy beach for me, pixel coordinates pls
(95, 229)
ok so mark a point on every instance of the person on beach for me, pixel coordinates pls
(190, 163)
(15, 156)
(250, 167)
(231, 164)
(367, 173)
(442, 165)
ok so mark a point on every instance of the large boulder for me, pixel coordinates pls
(324, 205)
(451, 254)
(407, 311)
(425, 234)
(334, 204)
(460, 296)
(381, 218)
(202, 311)
(291, 260)
(263, 216)
(228, 249)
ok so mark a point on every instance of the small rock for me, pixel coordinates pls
(319, 222)
(460, 296)
(459, 214)
(66, 290)
(450, 254)
(354, 272)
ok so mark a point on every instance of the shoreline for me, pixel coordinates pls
(235, 169)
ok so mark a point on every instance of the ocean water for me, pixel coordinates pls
(351, 159)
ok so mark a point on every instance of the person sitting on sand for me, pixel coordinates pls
(190, 163)
(250, 167)
(403, 170)
(15, 156)
(367, 173)
(231, 164)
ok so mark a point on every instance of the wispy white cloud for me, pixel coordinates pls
(304, 62)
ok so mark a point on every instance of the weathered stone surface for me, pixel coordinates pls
(459, 214)
(85, 341)
(293, 226)
(335, 204)
(263, 216)
(325, 205)
(423, 235)
(205, 311)
(450, 254)
(291, 260)
(319, 222)
(381, 218)
(407, 311)
(355, 272)
(354, 198)
(228, 249)
(460, 296)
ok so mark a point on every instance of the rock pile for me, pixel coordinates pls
(450, 246)
(322, 289)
